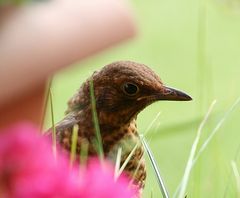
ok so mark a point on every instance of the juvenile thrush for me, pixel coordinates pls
(122, 89)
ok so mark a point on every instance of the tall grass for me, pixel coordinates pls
(96, 124)
(54, 141)
(194, 156)
(121, 169)
(236, 175)
(45, 104)
(190, 161)
(155, 168)
(83, 152)
(74, 141)
(149, 127)
(118, 162)
(216, 128)
(152, 159)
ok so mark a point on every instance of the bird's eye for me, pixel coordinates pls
(130, 89)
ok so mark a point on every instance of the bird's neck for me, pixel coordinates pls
(124, 136)
(115, 129)
(115, 119)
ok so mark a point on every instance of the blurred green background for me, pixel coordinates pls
(194, 46)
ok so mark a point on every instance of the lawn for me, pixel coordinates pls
(193, 46)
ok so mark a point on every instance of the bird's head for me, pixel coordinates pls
(124, 88)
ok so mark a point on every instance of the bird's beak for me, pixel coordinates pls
(173, 94)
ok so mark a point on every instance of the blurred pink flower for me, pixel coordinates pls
(29, 169)
(98, 182)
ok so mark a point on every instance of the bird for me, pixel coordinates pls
(121, 90)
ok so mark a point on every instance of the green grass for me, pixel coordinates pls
(190, 162)
(169, 43)
(74, 140)
(237, 176)
(98, 140)
(54, 137)
(84, 152)
(155, 167)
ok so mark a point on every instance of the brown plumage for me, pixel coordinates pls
(122, 89)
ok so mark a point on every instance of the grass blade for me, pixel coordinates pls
(228, 181)
(74, 144)
(189, 165)
(117, 164)
(236, 175)
(135, 171)
(46, 99)
(96, 124)
(151, 124)
(156, 169)
(54, 138)
(84, 152)
(218, 126)
(126, 161)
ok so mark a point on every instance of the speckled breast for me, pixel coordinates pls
(130, 142)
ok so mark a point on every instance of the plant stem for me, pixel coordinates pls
(95, 122)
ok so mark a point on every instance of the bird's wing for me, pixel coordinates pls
(65, 124)
(68, 122)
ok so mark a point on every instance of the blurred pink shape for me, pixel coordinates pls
(38, 40)
(98, 182)
(29, 170)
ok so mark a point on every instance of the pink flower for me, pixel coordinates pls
(98, 182)
(28, 169)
